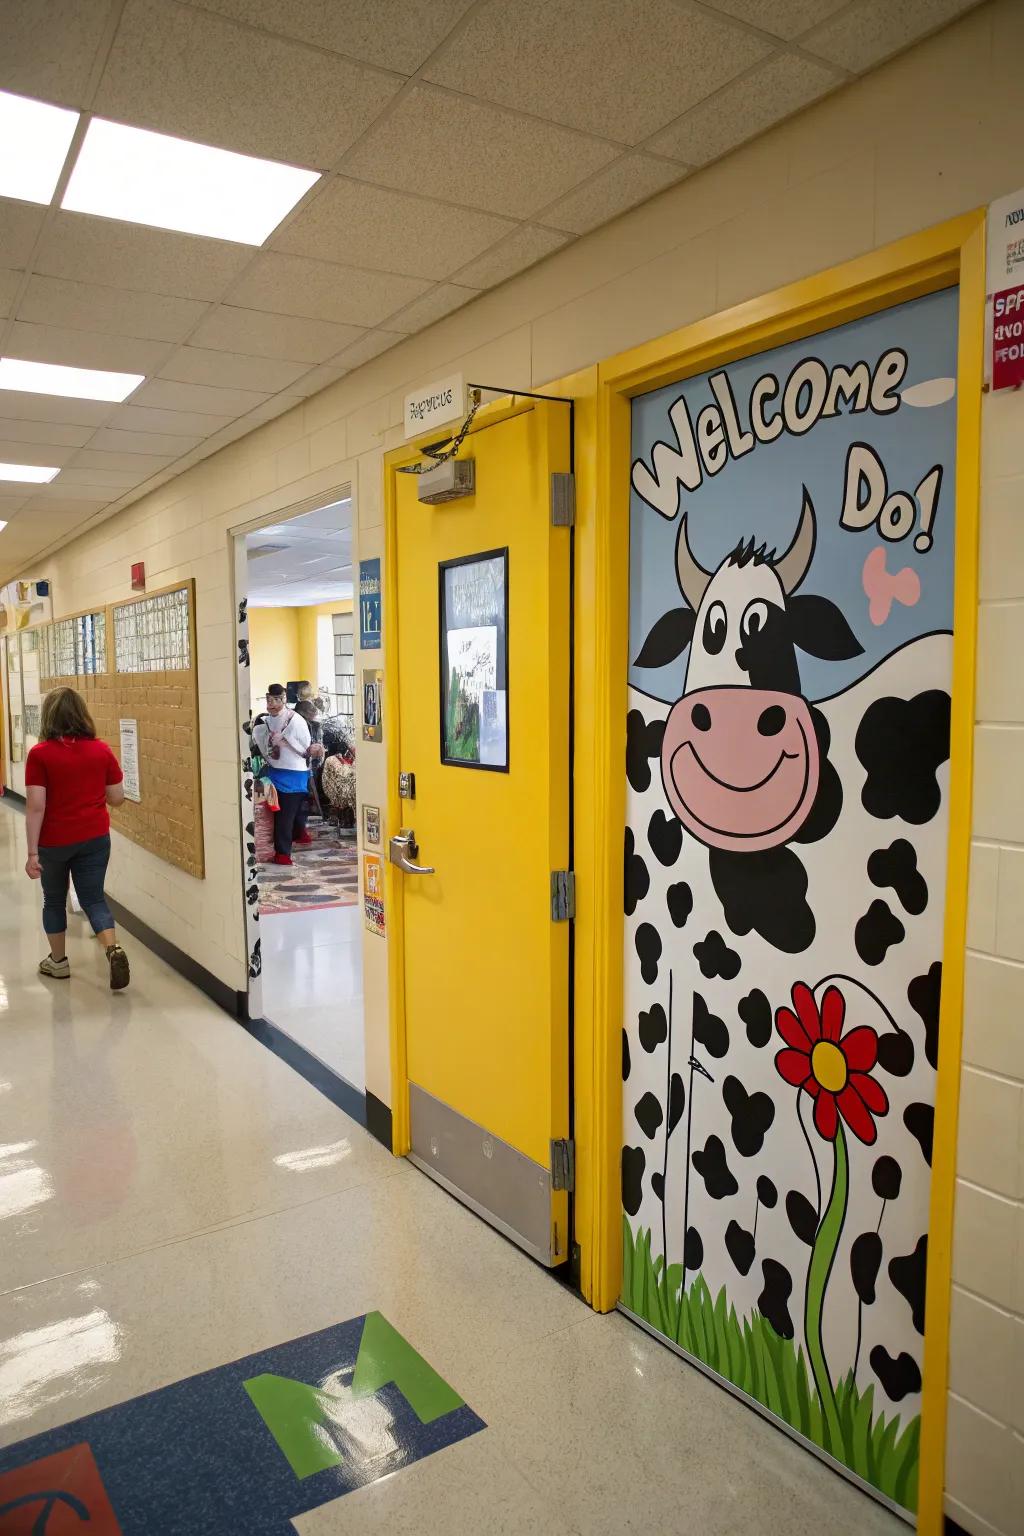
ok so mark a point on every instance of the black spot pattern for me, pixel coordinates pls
(708, 1029)
(767, 1193)
(919, 1120)
(767, 892)
(773, 1302)
(693, 1249)
(634, 1161)
(756, 1012)
(896, 1053)
(715, 958)
(676, 1101)
(658, 1184)
(643, 742)
(740, 1246)
(828, 802)
(924, 994)
(909, 1275)
(636, 881)
(648, 1114)
(865, 1262)
(648, 947)
(680, 903)
(625, 1057)
(803, 1218)
(887, 1178)
(876, 932)
(665, 835)
(653, 1028)
(902, 743)
(899, 1377)
(896, 867)
(713, 1168)
(752, 1116)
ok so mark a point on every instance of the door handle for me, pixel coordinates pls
(403, 850)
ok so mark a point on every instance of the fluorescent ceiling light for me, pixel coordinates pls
(3, 525)
(36, 474)
(34, 143)
(76, 383)
(150, 178)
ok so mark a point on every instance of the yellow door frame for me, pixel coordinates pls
(950, 253)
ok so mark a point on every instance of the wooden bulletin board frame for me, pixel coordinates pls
(168, 820)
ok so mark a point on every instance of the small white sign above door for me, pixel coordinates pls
(435, 405)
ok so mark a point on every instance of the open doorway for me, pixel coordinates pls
(298, 577)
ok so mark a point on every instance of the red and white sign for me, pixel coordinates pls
(1004, 288)
(1008, 338)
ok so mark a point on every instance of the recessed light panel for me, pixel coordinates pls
(75, 383)
(34, 474)
(34, 143)
(151, 178)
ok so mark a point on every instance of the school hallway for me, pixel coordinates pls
(174, 1198)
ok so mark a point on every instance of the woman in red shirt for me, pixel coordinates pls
(71, 779)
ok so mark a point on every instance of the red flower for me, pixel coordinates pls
(830, 1066)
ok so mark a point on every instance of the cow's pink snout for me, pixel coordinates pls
(740, 766)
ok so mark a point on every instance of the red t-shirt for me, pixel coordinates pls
(75, 773)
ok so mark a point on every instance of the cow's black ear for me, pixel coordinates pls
(668, 639)
(818, 627)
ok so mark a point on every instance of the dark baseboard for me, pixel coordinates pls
(233, 1002)
(12, 794)
(952, 1529)
(378, 1119)
(333, 1087)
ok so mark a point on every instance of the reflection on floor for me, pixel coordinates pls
(180, 1199)
(313, 984)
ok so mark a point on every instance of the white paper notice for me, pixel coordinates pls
(130, 759)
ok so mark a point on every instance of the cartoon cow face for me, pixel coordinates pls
(740, 757)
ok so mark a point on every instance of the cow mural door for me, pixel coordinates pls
(791, 611)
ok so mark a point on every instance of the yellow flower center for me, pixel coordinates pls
(829, 1066)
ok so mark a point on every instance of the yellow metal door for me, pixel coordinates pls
(486, 966)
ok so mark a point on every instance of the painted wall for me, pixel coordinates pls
(307, 618)
(932, 134)
(275, 647)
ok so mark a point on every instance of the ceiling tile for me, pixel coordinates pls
(136, 466)
(319, 378)
(366, 226)
(230, 370)
(867, 33)
(294, 285)
(16, 450)
(370, 347)
(252, 331)
(396, 34)
(80, 505)
(84, 349)
(132, 444)
(441, 301)
(482, 156)
(9, 284)
(185, 72)
(17, 405)
(169, 396)
(106, 251)
(783, 18)
(71, 496)
(55, 433)
(621, 71)
(92, 307)
(89, 479)
(529, 244)
(631, 180)
(10, 504)
(49, 47)
(139, 419)
(20, 223)
(775, 90)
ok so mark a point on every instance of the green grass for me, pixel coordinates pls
(751, 1355)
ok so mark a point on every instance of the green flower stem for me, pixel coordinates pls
(822, 1258)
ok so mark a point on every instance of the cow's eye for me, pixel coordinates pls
(755, 618)
(714, 629)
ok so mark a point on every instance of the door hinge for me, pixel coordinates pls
(563, 1165)
(563, 895)
(563, 500)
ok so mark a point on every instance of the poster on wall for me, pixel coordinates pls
(129, 730)
(373, 704)
(369, 605)
(474, 661)
(371, 826)
(1004, 289)
(791, 612)
(373, 893)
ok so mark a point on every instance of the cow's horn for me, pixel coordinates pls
(793, 566)
(693, 578)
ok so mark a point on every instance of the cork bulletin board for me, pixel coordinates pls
(136, 661)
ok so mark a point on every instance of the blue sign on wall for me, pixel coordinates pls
(369, 605)
(243, 1448)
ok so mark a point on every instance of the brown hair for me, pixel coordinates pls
(65, 713)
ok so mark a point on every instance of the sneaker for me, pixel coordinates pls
(60, 970)
(282, 858)
(305, 838)
(120, 974)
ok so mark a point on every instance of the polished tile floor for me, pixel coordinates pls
(174, 1197)
(313, 984)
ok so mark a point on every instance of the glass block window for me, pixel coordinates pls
(152, 635)
(75, 647)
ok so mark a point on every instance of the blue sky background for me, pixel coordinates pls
(760, 494)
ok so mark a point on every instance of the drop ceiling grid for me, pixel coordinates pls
(430, 90)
